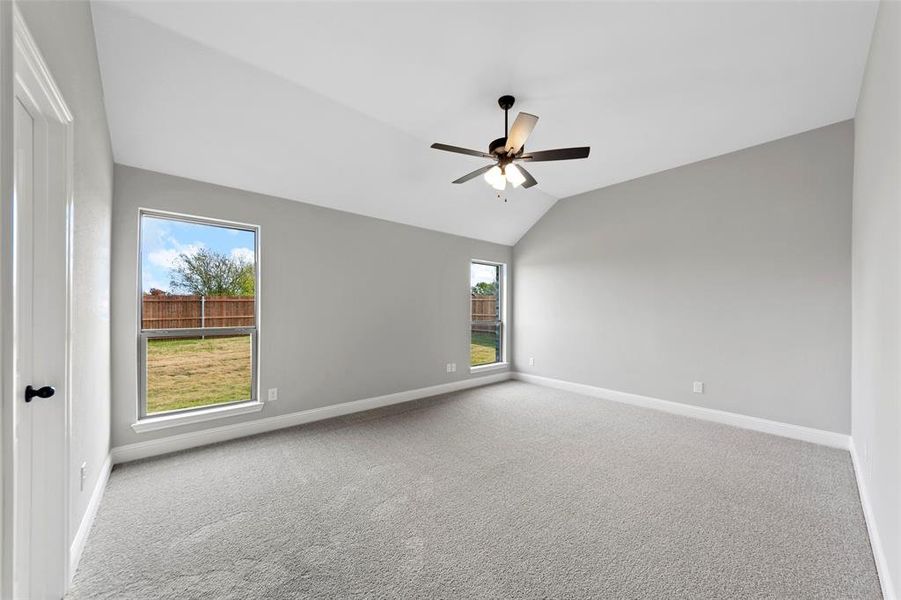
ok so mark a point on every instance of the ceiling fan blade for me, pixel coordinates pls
(474, 174)
(530, 181)
(522, 127)
(558, 154)
(460, 150)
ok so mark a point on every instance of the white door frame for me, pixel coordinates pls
(6, 319)
(32, 82)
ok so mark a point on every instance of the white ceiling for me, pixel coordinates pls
(336, 103)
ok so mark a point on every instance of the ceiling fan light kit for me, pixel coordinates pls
(509, 150)
(514, 175)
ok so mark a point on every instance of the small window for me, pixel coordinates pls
(486, 322)
(198, 314)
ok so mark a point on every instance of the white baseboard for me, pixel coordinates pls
(184, 441)
(84, 528)
(797, 432)
(885, 576)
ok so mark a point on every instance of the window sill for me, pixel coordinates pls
(501, 366)
(197, 416)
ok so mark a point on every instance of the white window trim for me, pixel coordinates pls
(498, 366)
(503, 363)
(144, 422)
(166, 421)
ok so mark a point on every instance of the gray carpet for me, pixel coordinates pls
(507, 491)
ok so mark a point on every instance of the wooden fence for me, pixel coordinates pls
(484, 308)
(176, 312)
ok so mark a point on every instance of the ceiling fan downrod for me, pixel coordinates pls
(506, 103)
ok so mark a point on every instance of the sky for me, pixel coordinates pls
(163, 240)
(480, 272)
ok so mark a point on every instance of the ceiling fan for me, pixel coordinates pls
(509, 150)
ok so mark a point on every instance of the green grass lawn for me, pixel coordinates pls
(482, 348)
(195, 372)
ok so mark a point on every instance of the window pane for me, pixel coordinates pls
(484, 347)
(485, 292)
(196, 275)
(198, 371)
(484, 281)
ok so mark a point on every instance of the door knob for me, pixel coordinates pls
(44, 392)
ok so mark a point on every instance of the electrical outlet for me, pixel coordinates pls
(531, 361)
(83, 475)
(453, 367)
(273, 394)
(698, 387)
(448, 367)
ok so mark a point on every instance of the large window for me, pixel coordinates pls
(198, 313)
(487, 311)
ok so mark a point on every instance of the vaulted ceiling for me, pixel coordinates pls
(336, 104)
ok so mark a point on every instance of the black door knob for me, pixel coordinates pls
(44, 392)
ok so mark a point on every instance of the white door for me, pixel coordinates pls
(41, 208)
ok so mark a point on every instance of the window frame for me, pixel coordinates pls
(144, 335)
(500, 322)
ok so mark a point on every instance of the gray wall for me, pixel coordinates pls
(733, 271)
(352, 307)
(876, 363)
(64, 32)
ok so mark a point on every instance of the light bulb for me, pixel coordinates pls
(496, 178)
(492, 173)
(514, 175)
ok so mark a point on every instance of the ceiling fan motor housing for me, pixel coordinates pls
(497, 146)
